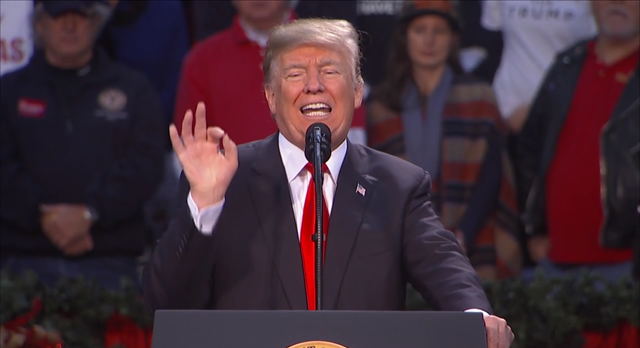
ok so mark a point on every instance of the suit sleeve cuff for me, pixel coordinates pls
(205, 219)
(476, 310)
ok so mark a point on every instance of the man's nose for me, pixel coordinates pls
(69, 21)
(314, 84)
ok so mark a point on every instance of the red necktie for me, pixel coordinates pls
(307, 230)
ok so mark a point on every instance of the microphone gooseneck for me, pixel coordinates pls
(317, 151)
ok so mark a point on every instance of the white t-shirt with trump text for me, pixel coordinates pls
(534, 31)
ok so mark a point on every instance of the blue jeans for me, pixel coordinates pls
(107, 271)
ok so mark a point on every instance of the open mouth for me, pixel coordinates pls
(316, 110)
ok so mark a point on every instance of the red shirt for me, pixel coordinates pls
(225, 72)
(574, 205)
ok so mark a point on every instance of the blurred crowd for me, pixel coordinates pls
(524, 112)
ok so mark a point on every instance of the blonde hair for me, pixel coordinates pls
(335, 33)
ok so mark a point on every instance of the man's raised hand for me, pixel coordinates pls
(208, 169)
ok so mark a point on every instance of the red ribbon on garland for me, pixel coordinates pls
(36, 307)
(124, 331)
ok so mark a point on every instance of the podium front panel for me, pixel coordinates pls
(284, 329)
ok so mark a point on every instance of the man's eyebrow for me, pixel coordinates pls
(294, 66)
(323, 63)
(328, 61)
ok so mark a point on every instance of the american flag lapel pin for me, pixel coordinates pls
(361, 190)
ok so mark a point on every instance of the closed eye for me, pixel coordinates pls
(294, 75)
(330, 72)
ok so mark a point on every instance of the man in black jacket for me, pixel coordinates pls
(559, 159)
(82, 149)
(620, 169)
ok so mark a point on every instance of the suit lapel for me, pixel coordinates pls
(272, 201)
(350, 201)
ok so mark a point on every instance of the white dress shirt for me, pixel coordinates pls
(294, 162)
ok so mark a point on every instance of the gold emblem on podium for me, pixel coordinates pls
(316, 344)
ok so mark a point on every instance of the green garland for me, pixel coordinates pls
(547, 312)
(554, 312)
(79, 310)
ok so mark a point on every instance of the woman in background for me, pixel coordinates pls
(428, 112)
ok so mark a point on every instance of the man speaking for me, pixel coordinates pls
(243, 237)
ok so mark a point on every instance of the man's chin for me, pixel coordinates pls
(70, 53)
(620, 34)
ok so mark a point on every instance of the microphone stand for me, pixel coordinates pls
(318, 177)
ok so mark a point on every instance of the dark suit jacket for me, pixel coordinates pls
(376, 243)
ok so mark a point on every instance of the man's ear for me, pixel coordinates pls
(38, 27)
(357, 100)
(270, 94)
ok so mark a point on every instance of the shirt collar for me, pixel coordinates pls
(294, 159)
(246, 34)
(591, 50)
(258, 36)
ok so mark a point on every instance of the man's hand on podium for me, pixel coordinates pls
(499, 334)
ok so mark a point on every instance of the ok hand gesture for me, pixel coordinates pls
(208, 169)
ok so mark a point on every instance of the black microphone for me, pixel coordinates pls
(317, 150)
(318, 134)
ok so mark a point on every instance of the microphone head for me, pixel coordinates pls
(321, 134)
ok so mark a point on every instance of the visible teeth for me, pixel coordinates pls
(315, 106)
(316, 113)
